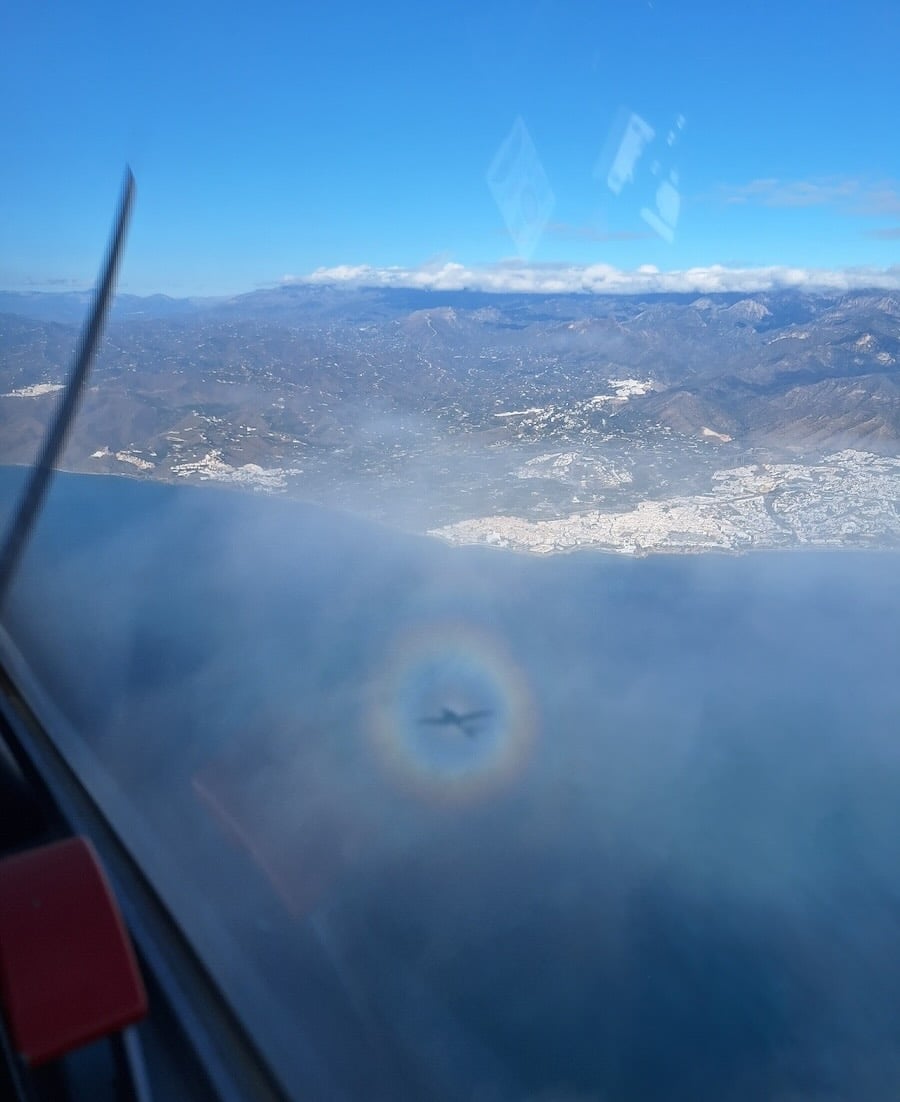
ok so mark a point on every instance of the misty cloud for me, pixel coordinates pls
(882, 199)
(686, 890)
(55, 282)
(772, 192)
(846, 195)
(885, 233)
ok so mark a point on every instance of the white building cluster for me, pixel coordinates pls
(849, 499)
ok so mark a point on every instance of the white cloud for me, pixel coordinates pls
(515, 276)
(847, 194)
(771, 192)
(882, 199)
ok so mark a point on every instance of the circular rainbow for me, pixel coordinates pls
(454, 667)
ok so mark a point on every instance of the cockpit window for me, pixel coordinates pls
(471, 583)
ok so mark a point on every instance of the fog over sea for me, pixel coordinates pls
(659, 862)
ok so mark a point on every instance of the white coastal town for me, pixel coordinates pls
(848, 499)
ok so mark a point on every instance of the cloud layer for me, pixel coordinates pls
(515, 277)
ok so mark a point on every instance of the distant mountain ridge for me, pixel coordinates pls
(306, 300)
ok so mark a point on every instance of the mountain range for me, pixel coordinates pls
(380, 396)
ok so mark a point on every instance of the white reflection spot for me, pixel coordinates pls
(521, 190)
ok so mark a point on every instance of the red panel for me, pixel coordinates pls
(68, 973)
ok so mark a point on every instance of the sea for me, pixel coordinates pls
(459, 823)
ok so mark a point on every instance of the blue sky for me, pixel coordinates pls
(277, 140)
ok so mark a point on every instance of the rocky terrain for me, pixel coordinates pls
(541, 422)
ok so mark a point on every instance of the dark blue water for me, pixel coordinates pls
(664, 866)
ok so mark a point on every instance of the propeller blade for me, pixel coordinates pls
(39, 481)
